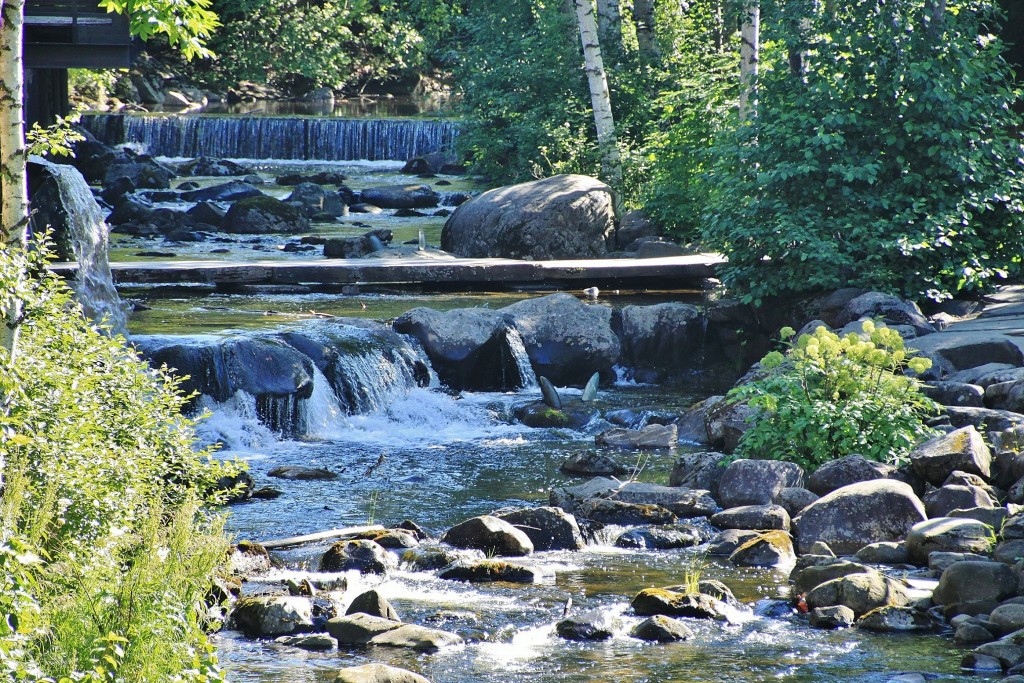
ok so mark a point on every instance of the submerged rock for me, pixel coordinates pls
(662, 538)
(661, 629)
(607, 511)
(895, 620)
(486, 571)
(651, 436)
(263, 215)
(301, 473)
(653, 601)
(590, 626)
(377, 673)
(591, 464)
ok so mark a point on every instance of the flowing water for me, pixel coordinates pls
(273, 137)
(407, 449)
(88, 237)
(437, 457)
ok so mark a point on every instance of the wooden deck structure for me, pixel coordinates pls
(489, 273)
(63, 34)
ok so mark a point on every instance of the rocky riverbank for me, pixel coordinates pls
(930, 547)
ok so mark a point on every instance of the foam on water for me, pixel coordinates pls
(425, 417)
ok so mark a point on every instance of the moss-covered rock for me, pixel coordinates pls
(263, 215)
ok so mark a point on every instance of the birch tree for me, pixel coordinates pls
(600, 97)
(643, 17)
(186, 24)
(750, 39)
(609, 25)
(13, 183)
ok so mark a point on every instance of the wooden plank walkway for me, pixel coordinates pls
(670, 271)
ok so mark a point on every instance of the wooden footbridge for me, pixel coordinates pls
(448, 273)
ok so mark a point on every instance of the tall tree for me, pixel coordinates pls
(600, 97)
(609, 25)
(186, 25)
(750, 49)
(643, 17)
(13, 184)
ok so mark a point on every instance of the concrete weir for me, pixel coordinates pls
(667, 272)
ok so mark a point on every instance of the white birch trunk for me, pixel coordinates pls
(609, 25)
(13, 184)
(750, 38)
(600, 97)
(643, 16)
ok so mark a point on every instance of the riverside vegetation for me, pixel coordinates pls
(107, 546)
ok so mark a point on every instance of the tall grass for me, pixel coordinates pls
(107, 552)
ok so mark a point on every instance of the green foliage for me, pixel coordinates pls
(829, 397)
(332, 44)
(57, 139)
(890, 161)
(699, 91)
(186, 24)
(105, 554)
(524, 99)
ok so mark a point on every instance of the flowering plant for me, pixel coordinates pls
(828, 396)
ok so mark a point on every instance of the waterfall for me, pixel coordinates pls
(368, 366)
(267, 137)
(527, 377)
(88, 238)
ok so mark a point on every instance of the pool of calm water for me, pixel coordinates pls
(439, 457)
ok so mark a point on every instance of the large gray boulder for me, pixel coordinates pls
(973, 587)
(845, 471)
(566, 340)
(701, 470)
(854, 516)
(948, 534)
(756, 482)
(963, 449)
(941, 502)
(489, 534)
(469, 348)
(664, 339)
(891, 309)
(753, 517)
(549, 528)
(860, 592)
(562, 217)
(955, 351)
(680, 501)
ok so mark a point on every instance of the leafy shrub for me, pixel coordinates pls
(105, 553)
(890, 160)
(828, 397)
